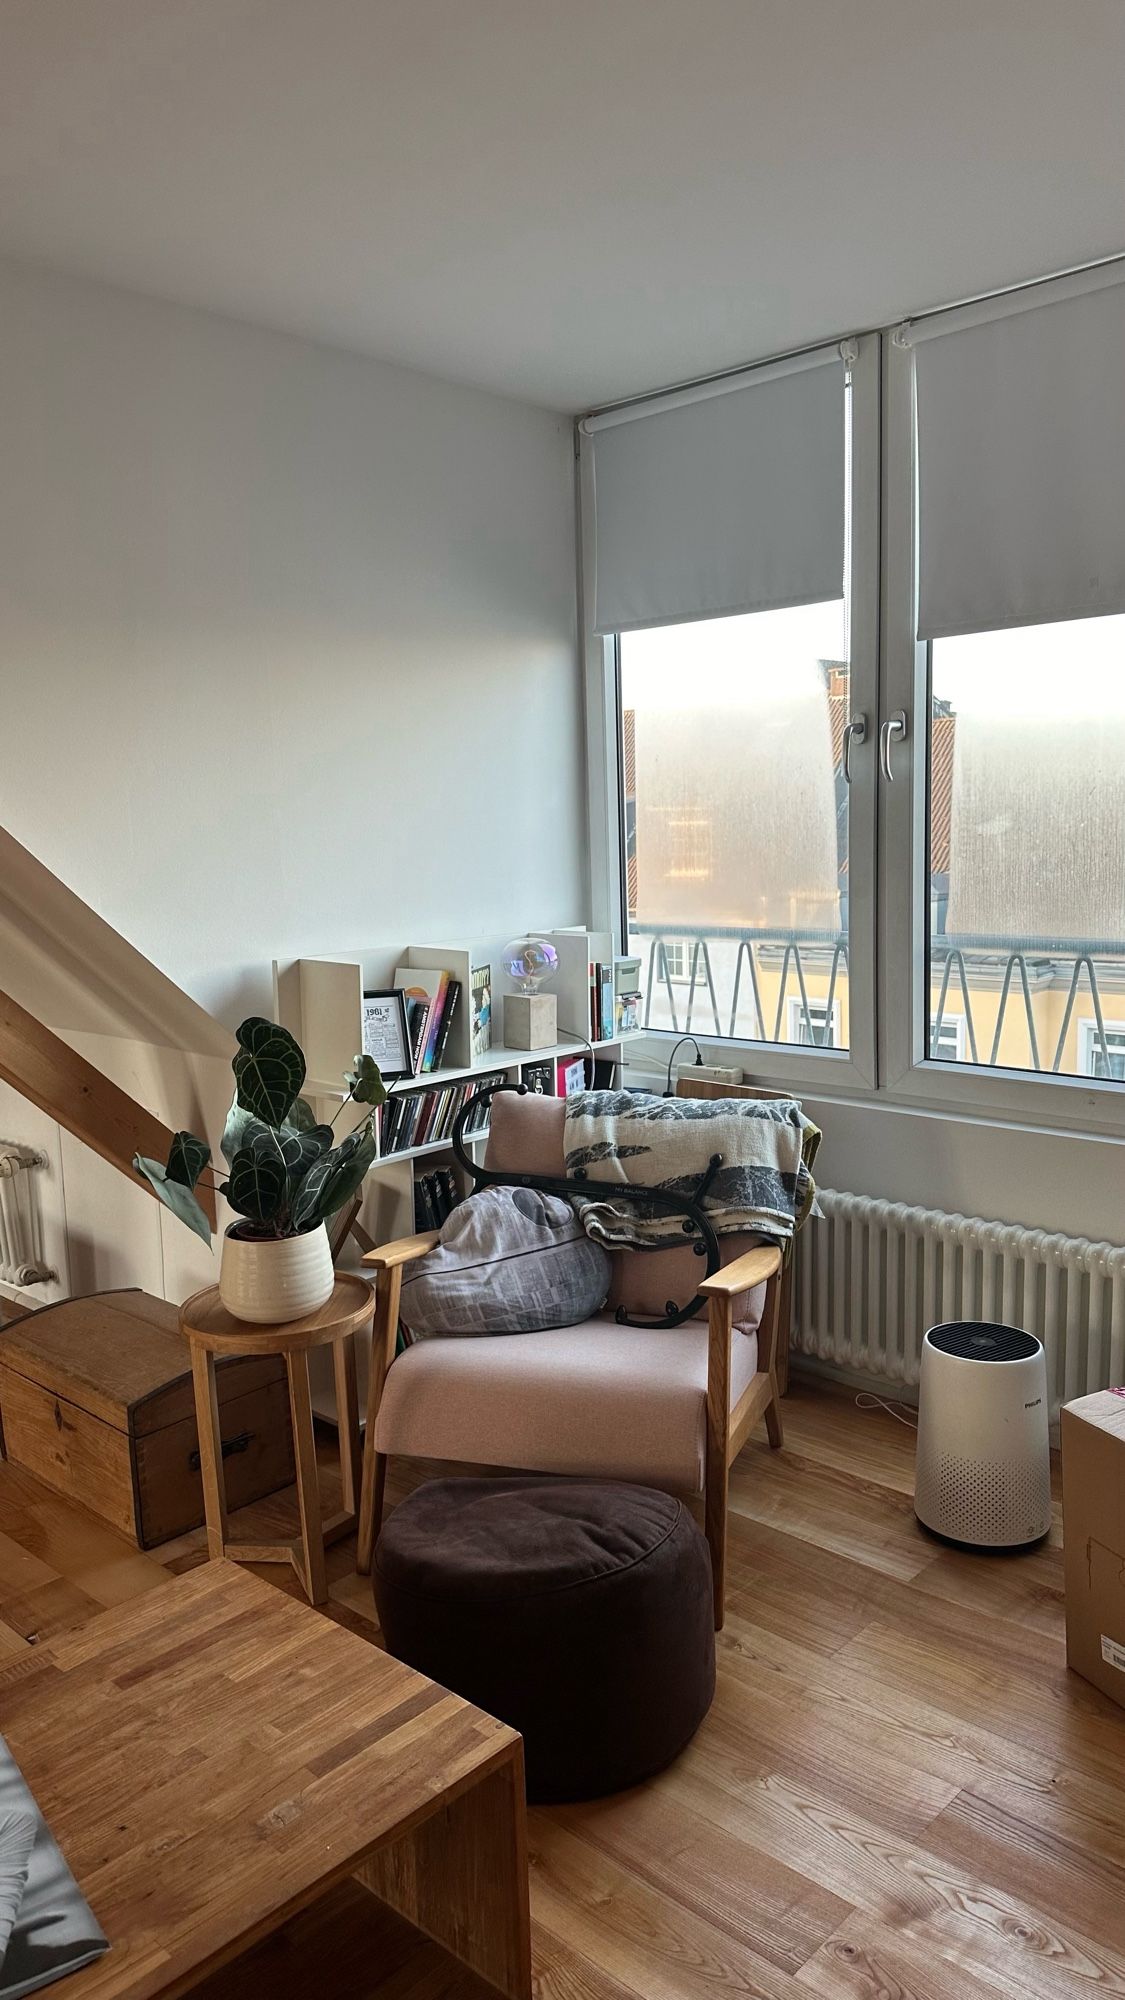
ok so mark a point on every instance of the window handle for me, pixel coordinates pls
(895, 725)
(855, 731)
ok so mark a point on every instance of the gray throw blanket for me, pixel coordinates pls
(764, 1183)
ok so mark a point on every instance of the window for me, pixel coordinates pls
(814, 1023)
(673, 959)
(1026, 844)
(970, 681)
(1106, 1060)
(947, 1038)
(737, 810)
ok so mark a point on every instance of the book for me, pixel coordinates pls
(570, 1076)
(606, 1025)
(423, 1117)
(480, 1000)
(426, 985)
(452, 995)
(417, 1015)
(451, 1193)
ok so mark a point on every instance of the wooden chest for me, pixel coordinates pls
(96, 1400)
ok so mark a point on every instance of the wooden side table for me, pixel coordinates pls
(211, 1332)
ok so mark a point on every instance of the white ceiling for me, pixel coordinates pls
(566, 200)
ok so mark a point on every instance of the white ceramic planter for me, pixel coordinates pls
(270, 1280)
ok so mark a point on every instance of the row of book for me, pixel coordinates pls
(436, 1195)
(615, 998)
(423, 1117)
(431, 998)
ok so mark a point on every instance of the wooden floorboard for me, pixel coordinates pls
(900, 1792)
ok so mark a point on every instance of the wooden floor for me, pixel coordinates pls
(900, 1793)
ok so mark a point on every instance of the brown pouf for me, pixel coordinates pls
(576, 1610)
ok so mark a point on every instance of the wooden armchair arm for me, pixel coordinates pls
(389, 1260)
(752, 1268)
(388, 1256)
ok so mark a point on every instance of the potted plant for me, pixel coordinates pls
(286, 1177)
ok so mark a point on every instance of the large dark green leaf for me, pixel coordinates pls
(234, 1131)
(334, 1178)
(365, 1081)
(187, 1157)
(257, 1186)
(301, 1115)
(293, 1151)
(269, 1070)
(175, 1196)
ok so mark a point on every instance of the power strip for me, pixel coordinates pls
(711, 1073)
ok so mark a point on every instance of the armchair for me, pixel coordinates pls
(667, 1407)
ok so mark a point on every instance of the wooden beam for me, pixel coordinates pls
(52, 1076)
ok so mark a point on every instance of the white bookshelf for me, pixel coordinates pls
(320, 1000)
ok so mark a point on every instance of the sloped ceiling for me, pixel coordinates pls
(564, 200)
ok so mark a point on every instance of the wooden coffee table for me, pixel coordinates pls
(214, 1756)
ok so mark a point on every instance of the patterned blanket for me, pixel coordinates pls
(764, 1183)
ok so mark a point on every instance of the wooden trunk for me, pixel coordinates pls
(96, 1400)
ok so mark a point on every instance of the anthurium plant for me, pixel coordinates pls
(286, 1173)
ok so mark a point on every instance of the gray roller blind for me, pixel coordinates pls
(1021, 460)
(724, 499)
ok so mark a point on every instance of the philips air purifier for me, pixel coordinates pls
(983, 1472)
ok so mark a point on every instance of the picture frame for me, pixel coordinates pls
(385, 1033)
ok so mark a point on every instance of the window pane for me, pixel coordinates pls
(736, 824)
(1027, 848)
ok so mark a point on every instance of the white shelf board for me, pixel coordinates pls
(497, 1058)
(420, 1152)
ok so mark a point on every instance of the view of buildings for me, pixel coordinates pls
(736, 815)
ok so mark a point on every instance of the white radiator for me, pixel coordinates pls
(871, 1276)
(21, 1231)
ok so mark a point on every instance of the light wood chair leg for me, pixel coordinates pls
(769, 1338)
(308, 1490)
(210, 1449)
(717, 1447)
(374, 1475)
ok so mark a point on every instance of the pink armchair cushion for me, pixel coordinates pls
(597, 1399)
(526, 1137)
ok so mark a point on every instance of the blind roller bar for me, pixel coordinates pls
(1005, 305)
(717, 385)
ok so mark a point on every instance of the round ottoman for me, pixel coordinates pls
(578, 1611)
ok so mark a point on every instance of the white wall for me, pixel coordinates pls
(287, 639)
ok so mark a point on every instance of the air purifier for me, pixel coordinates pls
(983, 1472)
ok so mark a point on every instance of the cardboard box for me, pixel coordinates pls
(1093, 1469)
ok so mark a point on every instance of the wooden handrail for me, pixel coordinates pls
(78, 1097)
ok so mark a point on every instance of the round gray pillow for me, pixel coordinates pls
(510, 1260)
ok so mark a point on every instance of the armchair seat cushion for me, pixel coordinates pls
(598, 1399)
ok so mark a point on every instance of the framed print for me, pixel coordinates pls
(385, 1033)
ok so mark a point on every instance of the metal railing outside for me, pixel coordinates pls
(1018, 964)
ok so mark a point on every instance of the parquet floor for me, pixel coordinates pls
(900, 1793)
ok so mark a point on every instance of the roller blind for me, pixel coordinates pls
(1021, 460)
(728, 498)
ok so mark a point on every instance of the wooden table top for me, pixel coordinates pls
(204, 1318)
(212, 1756)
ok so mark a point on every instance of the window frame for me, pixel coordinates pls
(909, 1076)
(782, 1063)
(888, 944)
